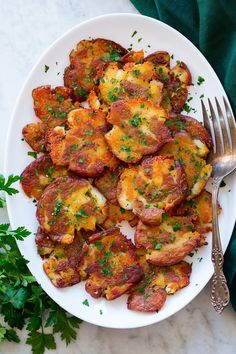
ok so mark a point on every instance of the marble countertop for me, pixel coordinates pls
(27, 28)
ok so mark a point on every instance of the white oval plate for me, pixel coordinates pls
(155, 36)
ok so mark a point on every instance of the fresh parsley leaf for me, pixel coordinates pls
(46, 68)
(40, 341)
(200, 80)
(6, 185)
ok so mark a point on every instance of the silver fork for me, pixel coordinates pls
(223, 160)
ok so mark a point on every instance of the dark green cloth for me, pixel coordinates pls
(211, 26)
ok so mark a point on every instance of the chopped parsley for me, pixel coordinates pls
(135, 121)
(82, 213)
(136, 72)
(200, 80)
(85, 302)
(134, 33)
(32, 153)
(46, 68)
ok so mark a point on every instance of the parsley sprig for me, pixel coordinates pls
(23, 303)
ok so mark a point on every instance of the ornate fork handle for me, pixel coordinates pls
(220, 291)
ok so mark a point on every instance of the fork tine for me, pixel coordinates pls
(217, 128)
(226, 138)
(232, 124)
(206, 120)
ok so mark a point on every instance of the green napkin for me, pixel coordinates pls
(211, 26)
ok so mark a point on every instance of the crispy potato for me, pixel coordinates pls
(191, 154)
(45, 245)
(138, 129)
(193, 127)
(111, 264)
(180, 73)
(161, 185)
(126, 188)
(39, 174)
(133, 57)
(93, 100)
(34, 135)
(83, 147)
(86, 62)
(62, 265)
(133, 80)
(161, 62)
(150, 294)
(51, 106)
(70, 204)
(169, 242)
(117, 214)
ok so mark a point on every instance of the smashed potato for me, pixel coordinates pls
(62, 261)
(133, 80)
(160, 185)
(70, 204)
(34, 135)
(169, 242)
(193, 127)
(138, 129)
(126, 188)
(191, 154)
(82, 148)
(86, 63)
(51, 106)
(39, 174)
(117, 214)
(150, 294)
(111, 264)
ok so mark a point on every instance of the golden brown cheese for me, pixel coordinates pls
(68, 205)
(86, 63)
(133, 80)
(169, 242)
(34, 135)
(51, 106)
(39, 174)
(138, 129)
(111, 264)
(191, 154)
(150, 294)
(83, 147)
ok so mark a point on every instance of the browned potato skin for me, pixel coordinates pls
(133, 57)
(51, 106)
(34, 135)
(45, 245)
(196, 130)
(159, 58)
(107, 184)
(57, 208)
(171, 192)
(86, 63)
(114, 274)
(39, 174)
(120, 115)
(83, 147)
(149, 295)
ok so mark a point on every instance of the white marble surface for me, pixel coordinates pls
(27, 27)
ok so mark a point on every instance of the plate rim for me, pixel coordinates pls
(10, 127)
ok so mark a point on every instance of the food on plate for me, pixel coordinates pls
(169, 242)
(34, 135)
(61, 262)
(157, 187)
(150, 294)
(39, 174)
(68, 205)
(191, 154)
(138, 129)
(193, 127)
(51, 106)
(86, 63)
(111, 264)
(82, 147)
(115, 151)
